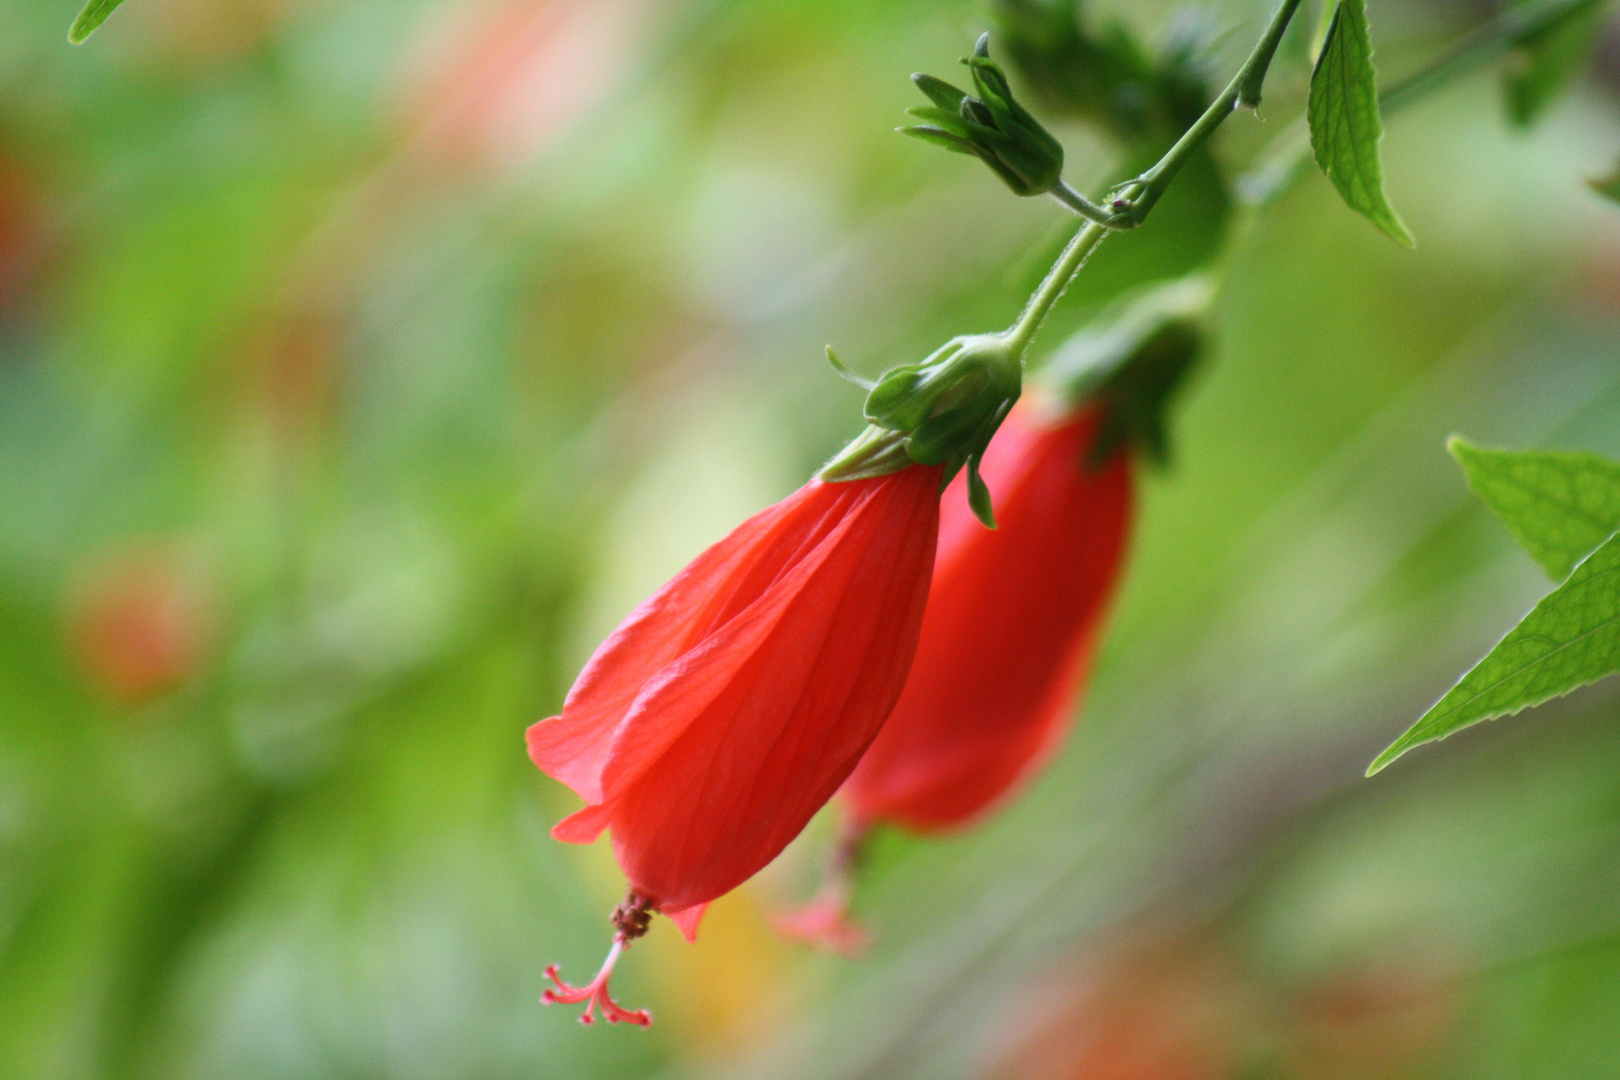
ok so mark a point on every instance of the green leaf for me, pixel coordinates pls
(1545, 62)
(1344, 121)
(94, 14)
(1609, 186)
(1570, 639)
(1558, 506)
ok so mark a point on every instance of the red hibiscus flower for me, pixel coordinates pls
(728, 708)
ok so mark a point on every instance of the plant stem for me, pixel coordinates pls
(1146, 189)
(1018, 336)
(1083, 206)
(1138, 196)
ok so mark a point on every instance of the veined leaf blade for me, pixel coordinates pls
(1558, 506)
(1571, 638)
(1343, 116)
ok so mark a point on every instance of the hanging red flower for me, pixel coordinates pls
(728, 708)
(1010, 628)
(1011, 625)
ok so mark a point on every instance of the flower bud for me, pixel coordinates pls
(943, 410)
(993, 126)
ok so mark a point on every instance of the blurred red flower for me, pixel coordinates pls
(728, 708)
(1011, 625)
(139, 627)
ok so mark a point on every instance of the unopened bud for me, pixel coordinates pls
(943, 410)
(992, 126)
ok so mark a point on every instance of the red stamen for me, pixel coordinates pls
(595, 993)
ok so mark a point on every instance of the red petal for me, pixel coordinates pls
(574, 747)
(582, 826)
(686, 919)
(729, 752)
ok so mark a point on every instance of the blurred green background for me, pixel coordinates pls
(362, 363)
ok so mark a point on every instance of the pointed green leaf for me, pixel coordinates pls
(1344, 121)
(94, 14)
(1546, 61)
(1558, 506)
(1568, 640)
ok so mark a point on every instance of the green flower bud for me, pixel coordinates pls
(943, 410)
(992, 126)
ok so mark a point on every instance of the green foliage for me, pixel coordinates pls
(1344, 120)
(94, 14)
(1546, 61)
(1558, 506)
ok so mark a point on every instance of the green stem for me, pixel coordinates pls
(1138, 196)
(1146, 189)
(1083, 206)
(1019, 335)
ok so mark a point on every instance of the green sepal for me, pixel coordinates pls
(944, 119)
(942, 435)
(939, 91)
(846, 374)
(874, 452)
(943, 411)
(894, 402)
(978, 493)
(935, 137)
